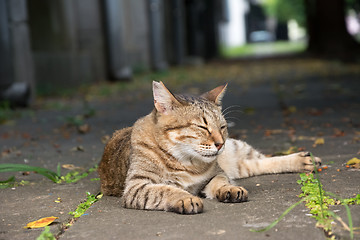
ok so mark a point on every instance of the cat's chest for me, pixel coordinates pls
(190, 181)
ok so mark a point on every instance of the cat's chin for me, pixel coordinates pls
(207, 158)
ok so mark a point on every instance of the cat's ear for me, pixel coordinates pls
(216, 94)
(164, 100)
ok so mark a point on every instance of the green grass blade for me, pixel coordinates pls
(9, 180)
(7, 183)
(279, 219)
(58, 169)
(12, 167)
(348, 213)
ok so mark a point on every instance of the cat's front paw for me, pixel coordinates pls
(232, 194)
(188, 205)
(306, 162)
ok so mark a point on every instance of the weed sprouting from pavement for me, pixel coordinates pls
(319, 206)
(82, 207)
(56, 177)
(318, 201)
(10, 182)
(46, 234)
(315, 201)
(79, 211)
(271, 225)
(75, 176)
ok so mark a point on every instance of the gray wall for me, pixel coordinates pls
(16, 66)
(67, 43)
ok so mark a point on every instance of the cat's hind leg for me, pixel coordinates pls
(292, 163)
(220, 188)
(240, 160)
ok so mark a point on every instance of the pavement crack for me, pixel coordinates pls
(78, 212)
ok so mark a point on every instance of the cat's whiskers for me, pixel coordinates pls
(230, 107)
(233, 111)
(234, 118)
(230, 110)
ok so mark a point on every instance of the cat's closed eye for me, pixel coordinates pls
(203, 127)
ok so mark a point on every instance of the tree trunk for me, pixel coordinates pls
(327, 29)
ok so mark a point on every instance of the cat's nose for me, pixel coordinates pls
(219, 146)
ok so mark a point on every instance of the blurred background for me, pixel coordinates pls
(50, 46)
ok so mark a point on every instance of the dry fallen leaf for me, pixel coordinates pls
(41, 222)
(338, 133)
(217, 232)
(269, 132)
(319, 141)
(315, 112)
(71, 167)
(290, 109)
(85, 128)
(356, 165)
(353, 161)
(78, 149)
(305, 138)
(291, 150)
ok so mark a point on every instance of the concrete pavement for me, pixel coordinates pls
(272, 112)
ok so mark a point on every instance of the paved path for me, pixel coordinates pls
(317, 104)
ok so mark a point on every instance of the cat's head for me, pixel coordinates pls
(191, 127)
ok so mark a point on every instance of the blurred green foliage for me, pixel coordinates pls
(284, 10)
(268, 48)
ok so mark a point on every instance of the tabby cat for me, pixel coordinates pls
(181, 151)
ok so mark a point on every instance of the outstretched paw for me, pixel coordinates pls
(232, 194)
(188, 205)
(308, 162)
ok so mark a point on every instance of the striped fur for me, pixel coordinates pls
(180, 151)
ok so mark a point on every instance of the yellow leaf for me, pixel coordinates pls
(290, 151)
(41, 222)
(319, 141)
(353, 161)
(292, 109)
